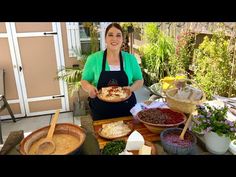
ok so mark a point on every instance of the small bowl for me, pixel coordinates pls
(173, 145)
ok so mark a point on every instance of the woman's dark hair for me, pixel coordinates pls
(116, 25)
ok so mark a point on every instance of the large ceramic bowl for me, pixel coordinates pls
(158, 119)
(75, 132)
(173, 145)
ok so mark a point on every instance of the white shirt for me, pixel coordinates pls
(114, 67)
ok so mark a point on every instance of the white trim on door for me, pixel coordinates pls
(15, 69)
(35, 34)
(13, 101)
(3, 35)
(61, 63)
(43, 112)
(44, 98)
(20, 74)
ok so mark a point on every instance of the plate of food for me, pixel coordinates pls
(114, 94)
(115, 130)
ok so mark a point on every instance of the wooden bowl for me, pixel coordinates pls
(62, 128)
(158, 128)
(154, 129)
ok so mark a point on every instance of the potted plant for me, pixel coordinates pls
(212, 122)
(72, 76)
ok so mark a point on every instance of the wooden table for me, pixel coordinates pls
(148, 136)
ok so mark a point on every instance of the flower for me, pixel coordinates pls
(210, 118)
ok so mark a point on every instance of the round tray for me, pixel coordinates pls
(130, 125)
(115, 99)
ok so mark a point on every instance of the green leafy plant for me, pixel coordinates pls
(156, 52)
(72, 75)
(213, 65)
(210, 118)
(181, 60)
(93, 31)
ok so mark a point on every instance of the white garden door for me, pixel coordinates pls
(37, 55)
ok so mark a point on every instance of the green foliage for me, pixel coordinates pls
(210, 118)
(93, 30)
(125, 25)
(156, 52)
(94, 39)
(213, 65)
(151, 33)
(181, 60)
(72, 75)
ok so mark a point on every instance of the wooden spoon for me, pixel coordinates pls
(47, 146)
(185, 127)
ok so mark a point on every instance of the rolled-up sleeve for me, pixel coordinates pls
(88, 71)
(136, 70)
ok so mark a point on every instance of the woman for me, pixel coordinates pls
(108, 68)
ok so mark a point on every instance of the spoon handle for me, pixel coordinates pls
(185, 127)
(53, 124)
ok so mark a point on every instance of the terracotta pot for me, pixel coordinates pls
(61, 128)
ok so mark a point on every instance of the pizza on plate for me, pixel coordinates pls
(114, 94)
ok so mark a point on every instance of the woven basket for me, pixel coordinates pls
(185, 106)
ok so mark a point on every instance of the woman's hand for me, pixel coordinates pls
(89, 88)
(136, 85)
(92, 91)
(129, 88)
